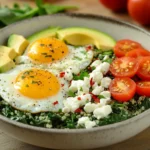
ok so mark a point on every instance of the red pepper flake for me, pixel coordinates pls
(78, 110)
(95, 98)
(91, 82)
(62, 74)
(62, 85)
(55, 103)
(88, 48)
(79, 98)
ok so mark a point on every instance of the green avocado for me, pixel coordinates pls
(6, 58)
(49, 32)
(82, 36)
(18, 43)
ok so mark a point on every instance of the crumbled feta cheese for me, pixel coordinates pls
(73, 103)
(104, 101)
(105, 82)
(96, 63)
(86, 122)
(68, 75)
(70, 104)
(84, 99)
(90, 124)
(102, 112)
(106, 94)
(104, 67)
(66, 110)
(94, 85)
(82, 120)
(97, 76)
(80, 86)
(90, 107)
(97, 90)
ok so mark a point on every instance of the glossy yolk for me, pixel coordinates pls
(47, 50)
(37, 84)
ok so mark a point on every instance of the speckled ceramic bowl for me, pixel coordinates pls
(77, 138)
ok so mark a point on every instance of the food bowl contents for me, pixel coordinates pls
(73, 78)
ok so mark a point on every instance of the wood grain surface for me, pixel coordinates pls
(139, 142)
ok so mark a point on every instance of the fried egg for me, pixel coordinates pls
(54, 53)
(33, 89)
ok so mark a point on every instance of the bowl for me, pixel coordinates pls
(77, 138)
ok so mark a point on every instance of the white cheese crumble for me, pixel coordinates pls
(80, 86)
(73, 103)
(96, 63)
(86, 122)
(105, 82)
(90, 107)
(106, 94)
(104, 67)
(102, 112)
(96, 76)
(97, 90)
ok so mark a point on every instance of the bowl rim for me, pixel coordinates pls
(72, 131)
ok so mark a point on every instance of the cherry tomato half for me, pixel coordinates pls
(144, 68)
(139, 10)
(115, 5)
(124, 46)
(138, 53)
(143, 88)
(124, 67)
(122, 89)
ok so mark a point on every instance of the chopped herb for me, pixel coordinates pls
(42, 44)
(44, 53)
(81, 75)
(71, 94)
(22, 77)
(48, 55)
(77, 58)
(35, 82)
(81, 89)
(100, 96)
(27, 85)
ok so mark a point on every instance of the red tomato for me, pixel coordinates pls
(124, 67)
(143, 88)
(124, 46)
(122, 89)
(115, 5)
(139, 10)
(144, 68)
(137, 53)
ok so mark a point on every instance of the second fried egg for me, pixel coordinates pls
(54, 53)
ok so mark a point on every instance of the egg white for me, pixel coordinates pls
(21, 102)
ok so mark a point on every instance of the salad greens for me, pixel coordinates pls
(16, 13)
(121, 111)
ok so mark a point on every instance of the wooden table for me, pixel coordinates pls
(139, 142)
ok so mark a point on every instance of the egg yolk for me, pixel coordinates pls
(37, 84)
(47, 50)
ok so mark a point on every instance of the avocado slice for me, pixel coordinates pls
(18, 43)
(80, 36)
(49, 32)
(6, 58)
